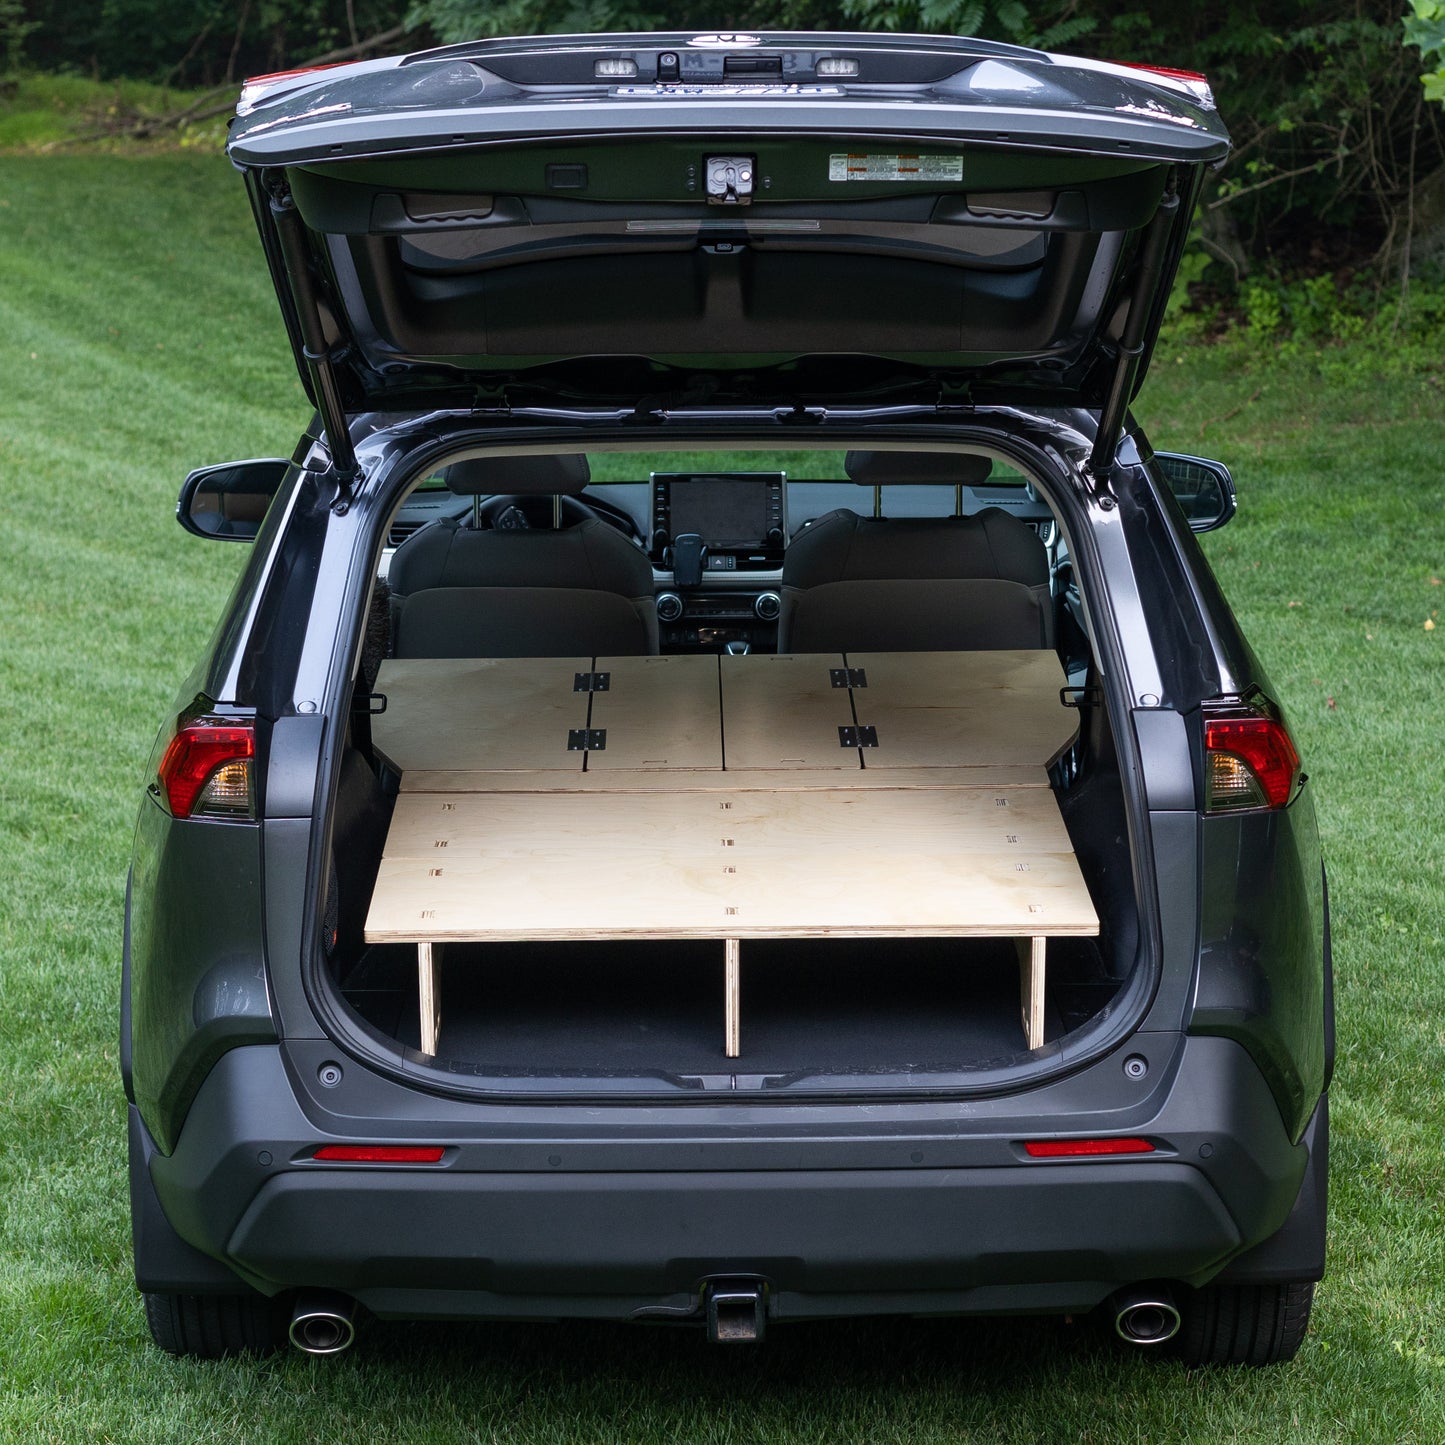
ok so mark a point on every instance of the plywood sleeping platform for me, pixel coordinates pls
(879, 795)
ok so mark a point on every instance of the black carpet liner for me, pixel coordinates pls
(808, 1006)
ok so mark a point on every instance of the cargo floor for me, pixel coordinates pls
(834, 1006)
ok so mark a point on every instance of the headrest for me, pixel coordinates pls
(532, 476)
(884, 469)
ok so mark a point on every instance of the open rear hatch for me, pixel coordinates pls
(634, 224)
(636, 220)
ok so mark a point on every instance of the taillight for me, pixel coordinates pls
(1250, 760)
(1168, 70)
(256, 86)
(206, 769)
(1189, 82)
(1085, 1148)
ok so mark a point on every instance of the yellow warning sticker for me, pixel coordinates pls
(856, 167)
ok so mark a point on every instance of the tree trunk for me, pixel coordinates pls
(1418, 244)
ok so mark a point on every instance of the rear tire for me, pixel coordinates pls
(1243, 1324)
(213, 1326)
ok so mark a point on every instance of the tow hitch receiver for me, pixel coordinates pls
(737, 1311)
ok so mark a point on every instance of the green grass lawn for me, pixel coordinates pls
(139, 337)
(43, 112)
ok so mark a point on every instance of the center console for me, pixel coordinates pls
(721, 536)
(709, 621)
(740, 517)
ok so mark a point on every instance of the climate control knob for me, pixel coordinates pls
(768, 606)
(669, 607)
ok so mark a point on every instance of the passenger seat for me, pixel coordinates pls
(916, 584)
(578, 591)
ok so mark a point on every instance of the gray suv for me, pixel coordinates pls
(726, 791)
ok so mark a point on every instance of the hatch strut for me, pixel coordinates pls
(313, 339)
(1131, 346)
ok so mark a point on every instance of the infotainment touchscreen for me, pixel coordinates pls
(728, 510)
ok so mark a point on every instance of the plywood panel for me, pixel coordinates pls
(963, 709)
(659, 713)
(708, 864)
(622, 895)
(480, 713)
(845, 823)
(783, 712)
(744, 779)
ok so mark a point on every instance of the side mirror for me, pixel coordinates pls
(1203, 489)
(229, 501)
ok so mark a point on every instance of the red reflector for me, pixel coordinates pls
(198, 749)
(1263, 745)
(380, 1153)
(1084, 1148)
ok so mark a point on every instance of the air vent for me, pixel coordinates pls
(402, 528)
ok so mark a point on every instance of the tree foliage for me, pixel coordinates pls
(1332, 132)
(193, 42)
(1425, 29)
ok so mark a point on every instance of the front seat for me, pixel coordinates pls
(577, 591)
(916, 584)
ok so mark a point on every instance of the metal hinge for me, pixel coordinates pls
(1090, 696)
(586, 740)
(848, 676)
(859, 737)
(592, 682)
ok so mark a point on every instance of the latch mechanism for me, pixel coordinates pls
(730, 180)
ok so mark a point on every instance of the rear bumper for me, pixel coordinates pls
(640, 1240)
(835, 1221)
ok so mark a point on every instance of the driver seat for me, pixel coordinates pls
(577, 591)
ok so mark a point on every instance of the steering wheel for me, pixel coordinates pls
(509, 511)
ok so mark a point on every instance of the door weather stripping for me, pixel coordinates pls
(1131, 346)
(292, 236)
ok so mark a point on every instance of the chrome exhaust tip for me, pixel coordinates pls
(1146, 1316)
(323, 1324)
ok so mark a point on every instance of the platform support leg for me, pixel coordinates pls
(1031, 987)
(732, 997)
(428, 962)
